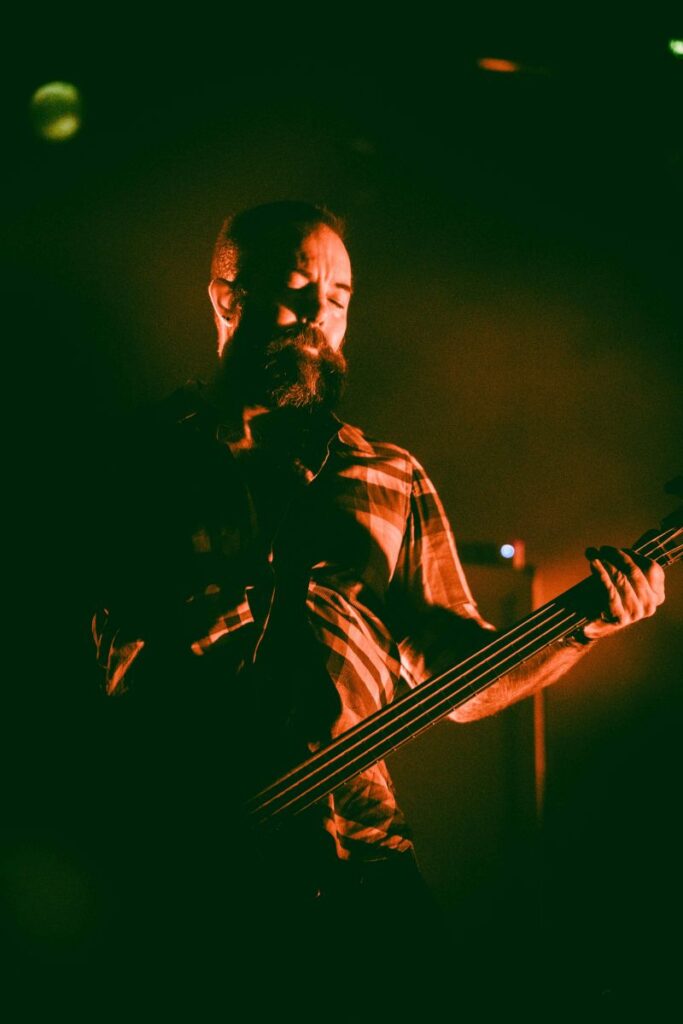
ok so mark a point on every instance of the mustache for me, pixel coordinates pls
(297, 336)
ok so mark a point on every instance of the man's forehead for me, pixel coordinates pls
(308, 248)
(322, 244)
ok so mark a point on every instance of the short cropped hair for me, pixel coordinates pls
(265, 232)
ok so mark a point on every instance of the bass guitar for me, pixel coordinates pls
(407, 717)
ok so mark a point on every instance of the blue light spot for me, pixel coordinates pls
(507, 550)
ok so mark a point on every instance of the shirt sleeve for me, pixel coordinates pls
(435, 618)
(161, 583)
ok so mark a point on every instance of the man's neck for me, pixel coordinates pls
(250, 429)
(287, 435)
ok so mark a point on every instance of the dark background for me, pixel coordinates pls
(516, 324)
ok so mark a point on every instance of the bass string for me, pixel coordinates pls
(438, 702)
(380, 746)
(365, 731)
(356, 746)
(351, 748)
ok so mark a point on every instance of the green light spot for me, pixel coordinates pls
(676, 47)
(56, 111)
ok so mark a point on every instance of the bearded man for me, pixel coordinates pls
(273, 574)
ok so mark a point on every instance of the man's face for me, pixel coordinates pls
(316, 286)
(290, 325)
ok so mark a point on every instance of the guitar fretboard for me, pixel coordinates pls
(409, 716)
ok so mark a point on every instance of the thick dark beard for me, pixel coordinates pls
(297, 379)
(281, 374)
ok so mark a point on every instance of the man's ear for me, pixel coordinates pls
(222, 295)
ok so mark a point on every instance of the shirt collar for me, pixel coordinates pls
(346, 437)
(349, 436)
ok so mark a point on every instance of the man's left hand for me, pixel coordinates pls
(633, 589)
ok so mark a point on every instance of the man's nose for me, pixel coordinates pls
(314, 313)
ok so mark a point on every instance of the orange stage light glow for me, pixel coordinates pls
(497, 64)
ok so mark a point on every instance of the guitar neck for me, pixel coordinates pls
(389, 728)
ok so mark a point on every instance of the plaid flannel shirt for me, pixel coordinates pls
(387, 600)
